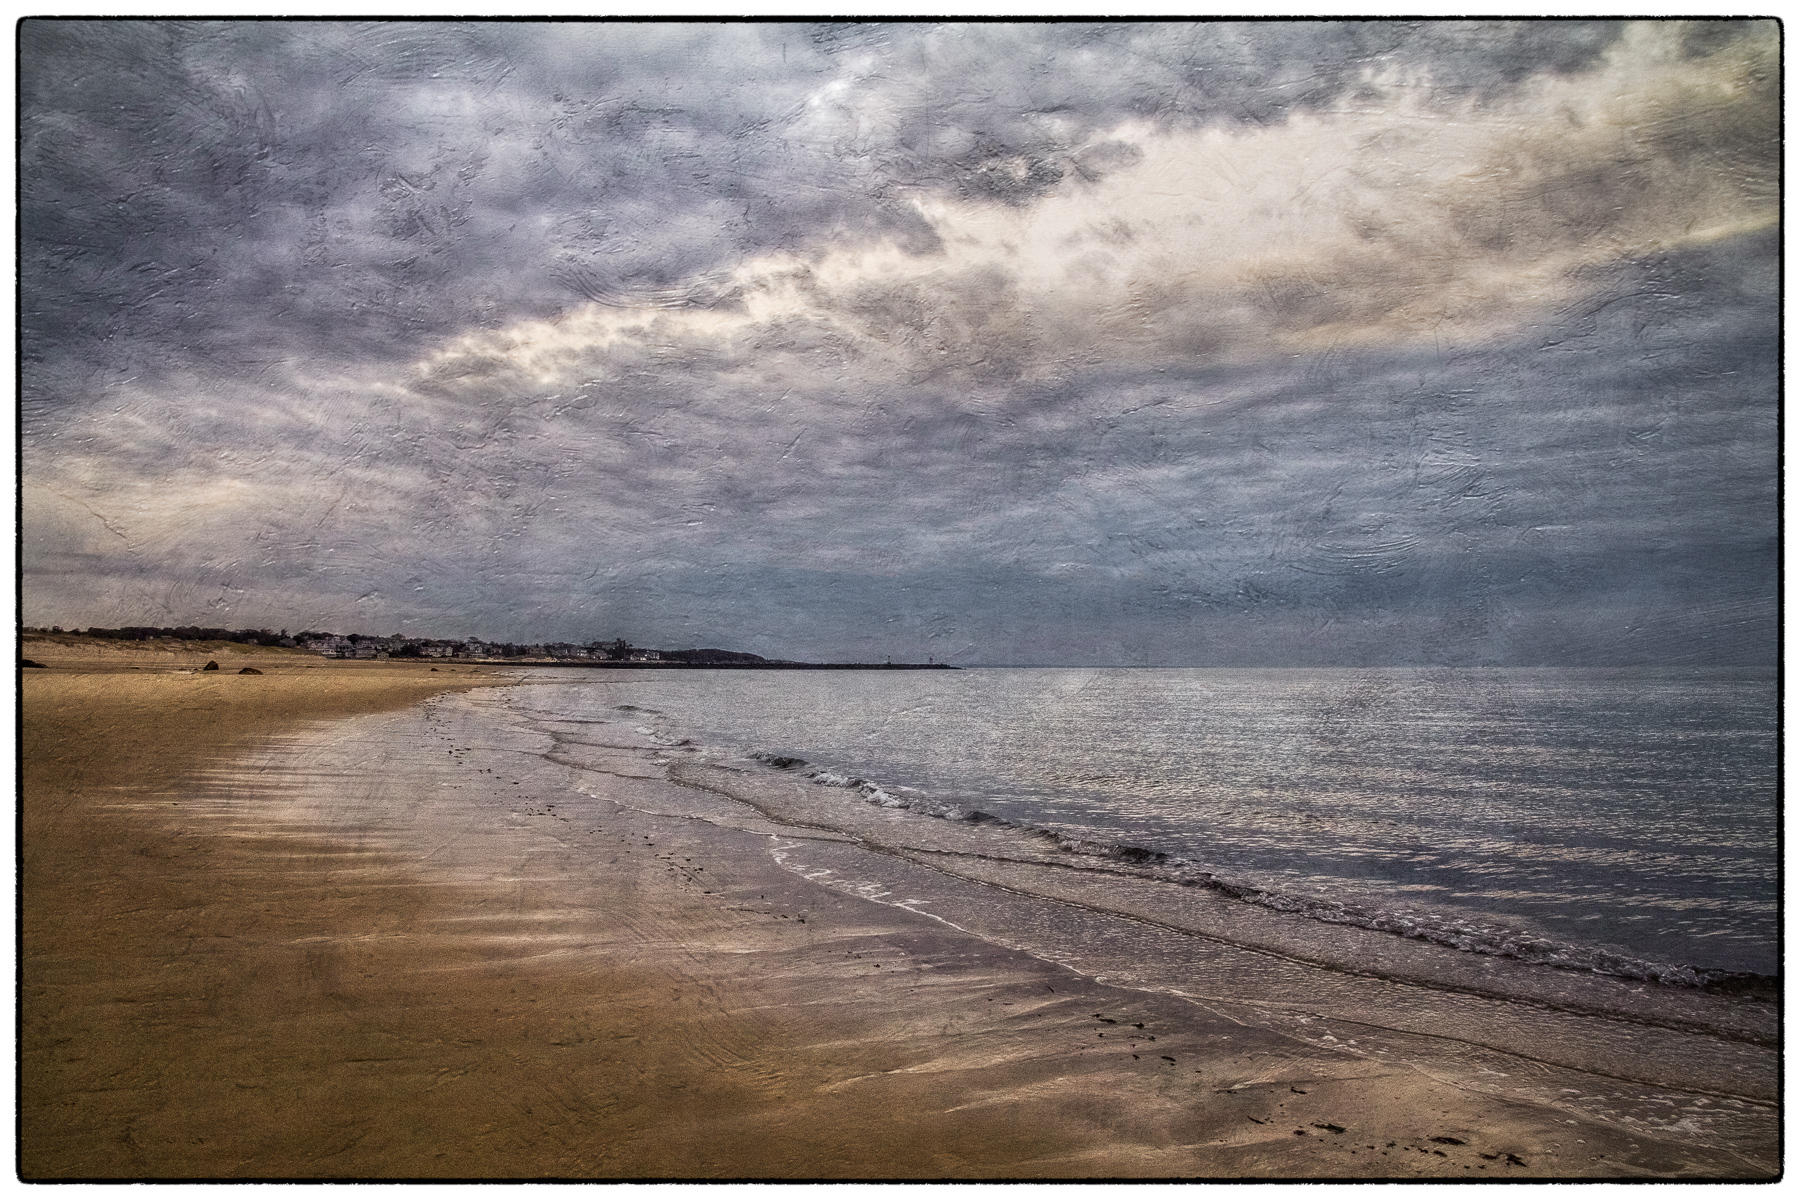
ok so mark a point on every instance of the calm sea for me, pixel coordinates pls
(1620, 822)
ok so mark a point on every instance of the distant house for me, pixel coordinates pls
(330, 646)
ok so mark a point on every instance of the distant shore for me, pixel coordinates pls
(723, 666)
(76, 647)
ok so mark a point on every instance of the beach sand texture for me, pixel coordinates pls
(391, 972)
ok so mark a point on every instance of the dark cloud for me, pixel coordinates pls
(1546, 500)
(316, 332)
(236, 191)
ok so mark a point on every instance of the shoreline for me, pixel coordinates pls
(538, 664)
(261, 946)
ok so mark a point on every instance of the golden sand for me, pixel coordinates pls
(197, 1005)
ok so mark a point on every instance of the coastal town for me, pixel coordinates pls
(402, 646)
(405, 647)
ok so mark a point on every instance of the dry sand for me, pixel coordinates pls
(219, 996)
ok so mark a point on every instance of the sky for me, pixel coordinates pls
(1273, 343)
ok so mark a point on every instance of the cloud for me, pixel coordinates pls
(1408, 223)
(359, 187)
(1379, 334)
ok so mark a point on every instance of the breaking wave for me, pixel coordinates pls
(1435, 928)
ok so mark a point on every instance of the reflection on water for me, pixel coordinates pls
(1630, 811)
(480, 787)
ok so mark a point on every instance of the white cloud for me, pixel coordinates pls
(1391, 219)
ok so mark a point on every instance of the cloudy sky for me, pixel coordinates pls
(1285, 343)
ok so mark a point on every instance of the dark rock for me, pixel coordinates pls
(210, 665)
(1328, 1126)
(1449, 1141)
(249, 671)
(26, 662)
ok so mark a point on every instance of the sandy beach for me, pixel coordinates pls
(289, 926)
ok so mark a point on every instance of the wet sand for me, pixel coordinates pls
(293, 926)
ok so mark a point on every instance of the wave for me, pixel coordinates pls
(1439, 929)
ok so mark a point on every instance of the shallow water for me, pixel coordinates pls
(1620, 821)
(458, 782)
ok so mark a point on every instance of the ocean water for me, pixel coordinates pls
(1554, 887)
(1620, 823)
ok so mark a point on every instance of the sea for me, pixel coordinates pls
(1561, 887)
(1619, 822)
